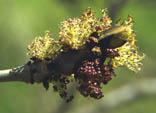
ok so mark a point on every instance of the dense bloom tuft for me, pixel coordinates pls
(44, 47)
(129, 56)
(91, 74)
(75, 32)
(88, 51)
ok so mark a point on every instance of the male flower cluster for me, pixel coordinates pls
(75, 32)
(44, 47)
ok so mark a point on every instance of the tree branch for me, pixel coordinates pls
(39, 70)
(21, 73)
(28, 73)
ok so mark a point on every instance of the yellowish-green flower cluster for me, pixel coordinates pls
(75, 32)
(128, 57)
(128, 52)
(44, 47)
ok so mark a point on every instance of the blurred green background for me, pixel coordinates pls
(22, 20)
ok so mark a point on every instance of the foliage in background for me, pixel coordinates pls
(21, 21)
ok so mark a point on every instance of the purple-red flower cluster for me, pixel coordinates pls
(92, 73)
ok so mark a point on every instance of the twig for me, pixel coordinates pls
(39, 70)
(28, 73)
(17, 74)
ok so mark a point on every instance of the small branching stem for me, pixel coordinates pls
(5, 75)
(21, 73)
(28, 73)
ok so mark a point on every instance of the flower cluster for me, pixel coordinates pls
(90, 76)
(129, 56)
(92, 47)
(94, 72)
(44, 48)
(60, 83)
(74, 32)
